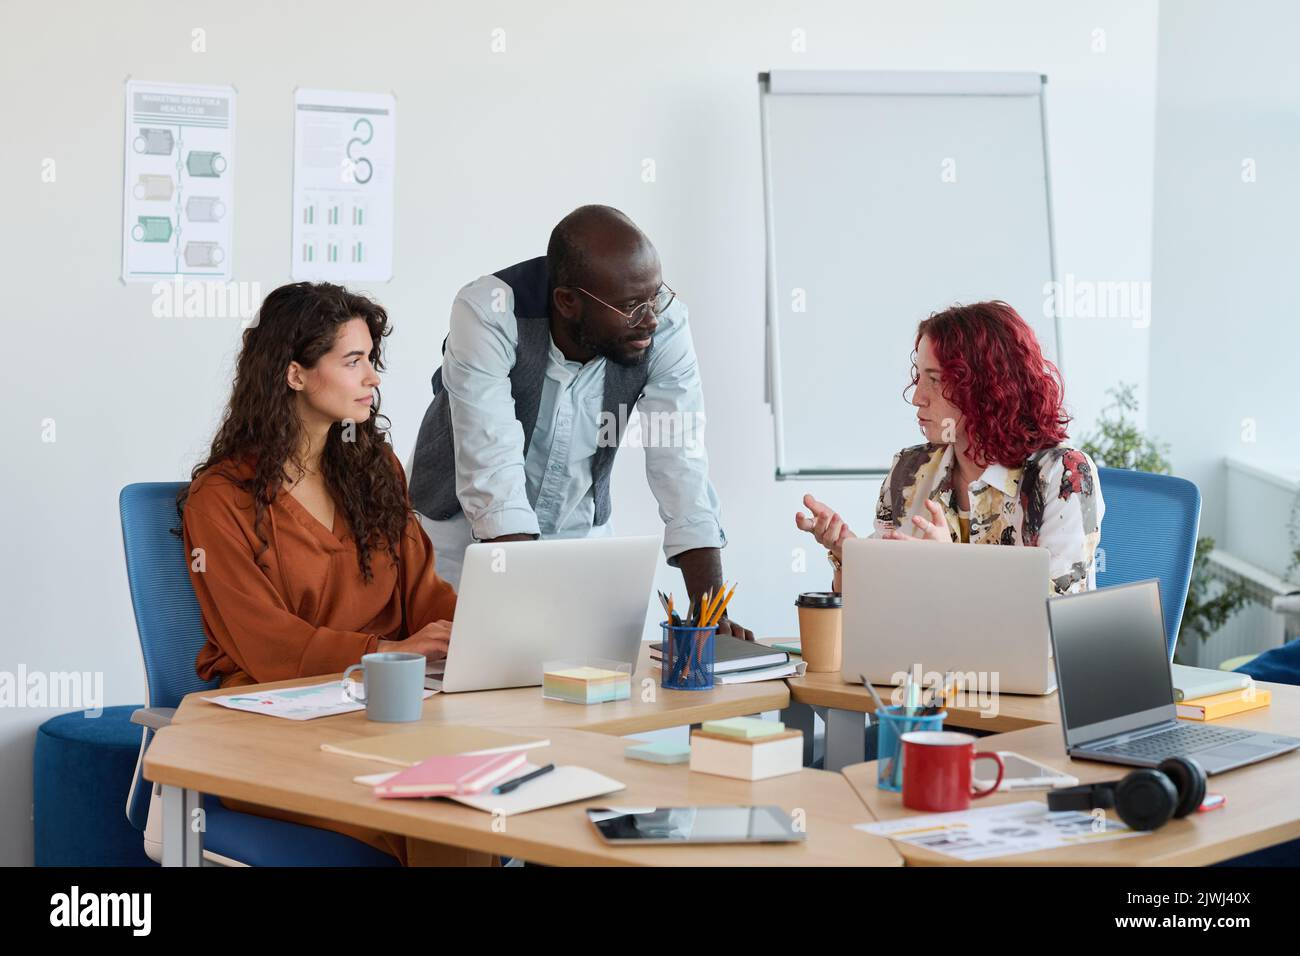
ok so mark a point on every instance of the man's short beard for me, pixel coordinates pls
(606, 350)
(627, 360)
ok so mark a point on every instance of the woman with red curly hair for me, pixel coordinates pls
(993, 469)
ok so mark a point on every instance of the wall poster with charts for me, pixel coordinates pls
(343, 153)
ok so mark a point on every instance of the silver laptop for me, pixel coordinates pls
(1117, 692)
(522, 603)
(972, 609)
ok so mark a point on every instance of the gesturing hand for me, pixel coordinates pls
(825, 525)
(933, 529)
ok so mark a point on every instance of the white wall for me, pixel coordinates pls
(493, 149)
(1225, 341)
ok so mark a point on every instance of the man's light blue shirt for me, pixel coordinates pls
(550, 491)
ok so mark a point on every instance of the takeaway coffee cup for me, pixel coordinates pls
(819, 629)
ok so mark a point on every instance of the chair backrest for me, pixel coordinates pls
(1149, 531)
(166, 611)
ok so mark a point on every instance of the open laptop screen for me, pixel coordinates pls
(1111, 657)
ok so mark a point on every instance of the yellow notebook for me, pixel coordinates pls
(1222, 705)
(407, 748)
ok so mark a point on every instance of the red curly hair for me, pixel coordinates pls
(1010, 396)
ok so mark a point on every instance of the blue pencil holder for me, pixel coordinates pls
(687, 657)
(893, 723)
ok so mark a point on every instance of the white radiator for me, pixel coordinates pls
(1256, 627)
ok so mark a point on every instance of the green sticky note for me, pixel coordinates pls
(660, 751)
(745, 727)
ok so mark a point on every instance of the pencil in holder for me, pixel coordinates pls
(893, 723)
(687, 660)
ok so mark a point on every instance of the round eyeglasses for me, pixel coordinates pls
(656, 306)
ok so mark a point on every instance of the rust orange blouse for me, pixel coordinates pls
(308, 612)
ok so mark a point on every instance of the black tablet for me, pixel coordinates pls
(681, 825)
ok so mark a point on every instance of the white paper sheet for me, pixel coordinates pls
(296, 703)
(178, 192)
(1004, 830)
(344, 149)
(562, 785)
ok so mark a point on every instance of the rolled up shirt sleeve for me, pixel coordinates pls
(672, 433)
(490, 480)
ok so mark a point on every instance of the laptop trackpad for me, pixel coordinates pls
(1233, 752)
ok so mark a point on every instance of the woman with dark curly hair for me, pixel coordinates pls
(305, 553)
(993, 469)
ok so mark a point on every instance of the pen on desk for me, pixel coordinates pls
(510, 785)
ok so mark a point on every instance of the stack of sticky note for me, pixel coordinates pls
(586, 685)
(747, 748)
(658, 751)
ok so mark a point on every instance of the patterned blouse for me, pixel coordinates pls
(1053, 501)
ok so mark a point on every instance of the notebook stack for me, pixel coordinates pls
(737, 661)
(1203, 694)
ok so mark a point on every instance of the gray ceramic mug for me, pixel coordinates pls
(394, 686)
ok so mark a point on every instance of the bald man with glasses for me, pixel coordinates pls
(546, 365)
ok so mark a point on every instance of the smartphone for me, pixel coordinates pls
(1021, 773)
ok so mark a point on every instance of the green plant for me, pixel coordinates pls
(1119, 443)
(1202, 613)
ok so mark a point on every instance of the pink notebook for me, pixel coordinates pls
(460, 774)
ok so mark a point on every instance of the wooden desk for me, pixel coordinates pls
(525, 706)
(846, 703)
(1262, 806)
(279, 763)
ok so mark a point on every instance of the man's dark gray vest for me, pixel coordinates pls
(433, 469)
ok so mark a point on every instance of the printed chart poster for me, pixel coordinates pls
(344, 145)
(178, 195)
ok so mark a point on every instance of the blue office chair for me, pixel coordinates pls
(1149, 531)
(171, 633)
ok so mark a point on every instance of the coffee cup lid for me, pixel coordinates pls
(818, 599)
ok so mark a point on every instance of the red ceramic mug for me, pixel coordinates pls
(937, 770)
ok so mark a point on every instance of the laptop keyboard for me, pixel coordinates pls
(1182, 739)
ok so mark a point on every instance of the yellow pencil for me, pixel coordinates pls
(717, 616)
(713, 605)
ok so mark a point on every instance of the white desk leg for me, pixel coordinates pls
(182, 843)
(846, 737)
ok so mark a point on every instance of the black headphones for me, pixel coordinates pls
(1145, 799)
